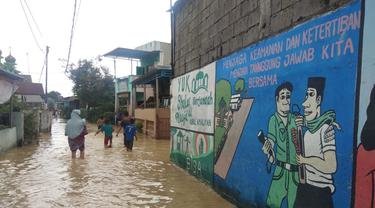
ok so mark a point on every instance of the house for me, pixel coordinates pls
(31, 94)
(123, 91)
(8, 84)
(147, 92)
(8, 132)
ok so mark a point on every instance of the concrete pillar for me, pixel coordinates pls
(18, 122)
(157, 94)
(133, 100)
(144, 96)
(116, 97)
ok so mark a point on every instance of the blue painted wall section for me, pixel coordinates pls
(300, 82)
(365, 164)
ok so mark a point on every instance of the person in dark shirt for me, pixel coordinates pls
(124, 122)
(130, 131)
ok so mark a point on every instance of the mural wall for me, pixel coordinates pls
(192, 122)
(284, 116)
(365, 170)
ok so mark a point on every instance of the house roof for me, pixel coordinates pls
(28, 88)
(71, 98)
(26, 78)
(153, 75)
(10, 75)
(130, 53)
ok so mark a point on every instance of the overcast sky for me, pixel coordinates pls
(101, 26)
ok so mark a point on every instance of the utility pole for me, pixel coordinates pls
(47, 50)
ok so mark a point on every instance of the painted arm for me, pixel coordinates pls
(327, 165)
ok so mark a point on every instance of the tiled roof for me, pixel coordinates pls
(28, 88)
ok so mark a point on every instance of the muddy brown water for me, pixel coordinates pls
(44, 175)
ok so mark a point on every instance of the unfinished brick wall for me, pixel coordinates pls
(206, 30)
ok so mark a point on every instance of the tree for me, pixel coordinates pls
(54, 95)
(93, 85)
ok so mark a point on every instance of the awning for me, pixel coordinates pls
(152, 76)
(130, 53)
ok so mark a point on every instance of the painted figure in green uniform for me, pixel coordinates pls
(280, 150)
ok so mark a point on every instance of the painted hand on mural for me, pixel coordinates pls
(301, 160)
(268, 150)
(299, 121)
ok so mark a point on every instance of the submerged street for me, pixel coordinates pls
(44, 175)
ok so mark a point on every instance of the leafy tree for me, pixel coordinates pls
(93, 85)
(54, 95)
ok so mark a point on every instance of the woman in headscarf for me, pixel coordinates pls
(76, 130)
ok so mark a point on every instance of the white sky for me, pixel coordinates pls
(102, 26)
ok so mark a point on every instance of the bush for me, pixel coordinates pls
(3, 127)
(65, 113)
(93, 114)
(30, 125)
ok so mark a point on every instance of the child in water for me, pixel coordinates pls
(130, 132)
(107, 129)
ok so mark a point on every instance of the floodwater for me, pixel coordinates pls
(44, 175)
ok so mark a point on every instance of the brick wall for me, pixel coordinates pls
(206, 30)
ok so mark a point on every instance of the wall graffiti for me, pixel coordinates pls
(192, 103)
(193, 152)
(365, 164)
(192, 122)
(284, 115)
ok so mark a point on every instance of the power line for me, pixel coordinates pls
(32, 17)
(77, 15)
(71, 35)
(31, 29)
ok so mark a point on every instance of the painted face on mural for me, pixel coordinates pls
(283, 102)
(311, 104)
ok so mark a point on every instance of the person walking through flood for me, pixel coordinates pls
(107, 128)
(124, 122)
(100, 122)
(130, 131)
(76, 130)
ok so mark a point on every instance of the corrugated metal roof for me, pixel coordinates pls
(130, 53)
(152, 75)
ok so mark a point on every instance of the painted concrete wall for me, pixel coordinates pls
(286, 107)
(309, 71)
(365, 164)
(45, 121)
(18, 122)
(192, 122)
(8, 139)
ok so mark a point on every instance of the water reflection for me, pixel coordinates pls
(44, 175)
